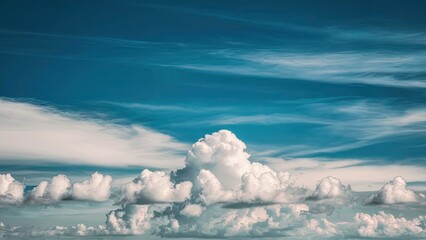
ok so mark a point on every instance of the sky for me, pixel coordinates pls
(271, 106)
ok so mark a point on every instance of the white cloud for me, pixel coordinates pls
(226, 174)
(307, 171)
(372, 68)
(201, 201)
(192, 210)
(79, 230)
(331, 187)
(137, 220)
(50, 192)
(383, 224)
(59, 188)
(97, 188)
(152, 187)
(11, 191)
(63, 137)
(394, 192)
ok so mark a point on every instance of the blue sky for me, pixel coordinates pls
(313, 88)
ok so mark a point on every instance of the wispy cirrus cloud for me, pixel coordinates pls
(350, 123)
(39, 133)
(402, 70)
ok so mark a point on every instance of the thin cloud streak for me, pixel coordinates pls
(369, 68)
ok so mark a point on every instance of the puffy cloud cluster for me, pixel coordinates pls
(97, 188)
(395, 191)
(383, 224)
(154, 187)
(271, 221)
(8, 232)
(130, 220)
(11, 191)
(217, 170)
(213, 221)
(221, 193)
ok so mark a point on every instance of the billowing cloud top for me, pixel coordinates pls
(395, 191)
(97, 188)
(152, 187)
(330, 187)
(11, 191)
(50, 192)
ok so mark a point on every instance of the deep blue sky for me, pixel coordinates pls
(316, 88)
(330, 79)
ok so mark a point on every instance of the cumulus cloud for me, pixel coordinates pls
(50, 192)
(221, 193)
(383, 224)
(220, 170)
(66, 137)
(152, 187)
(59, 188)
(140, 219)
(11, 191)
(192, 210)
(97, 188)
(213, 222)
(224, 173)
(329, 188)
(394, 192)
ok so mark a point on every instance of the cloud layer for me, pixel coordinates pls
(221, 193)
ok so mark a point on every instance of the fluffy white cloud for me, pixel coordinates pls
(225, 173)
(65, 137)
(223, 154)
(215, 221)
(131, 220)
(140, 219)
(154, 187)
(383, 224)
(331, 187)
(192, 210)
(97, 188)
(50, 192)
(11, 191)
(395, 191)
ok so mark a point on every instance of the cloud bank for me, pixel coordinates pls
(221, 193)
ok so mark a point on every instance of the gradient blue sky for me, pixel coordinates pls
(333, 86)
